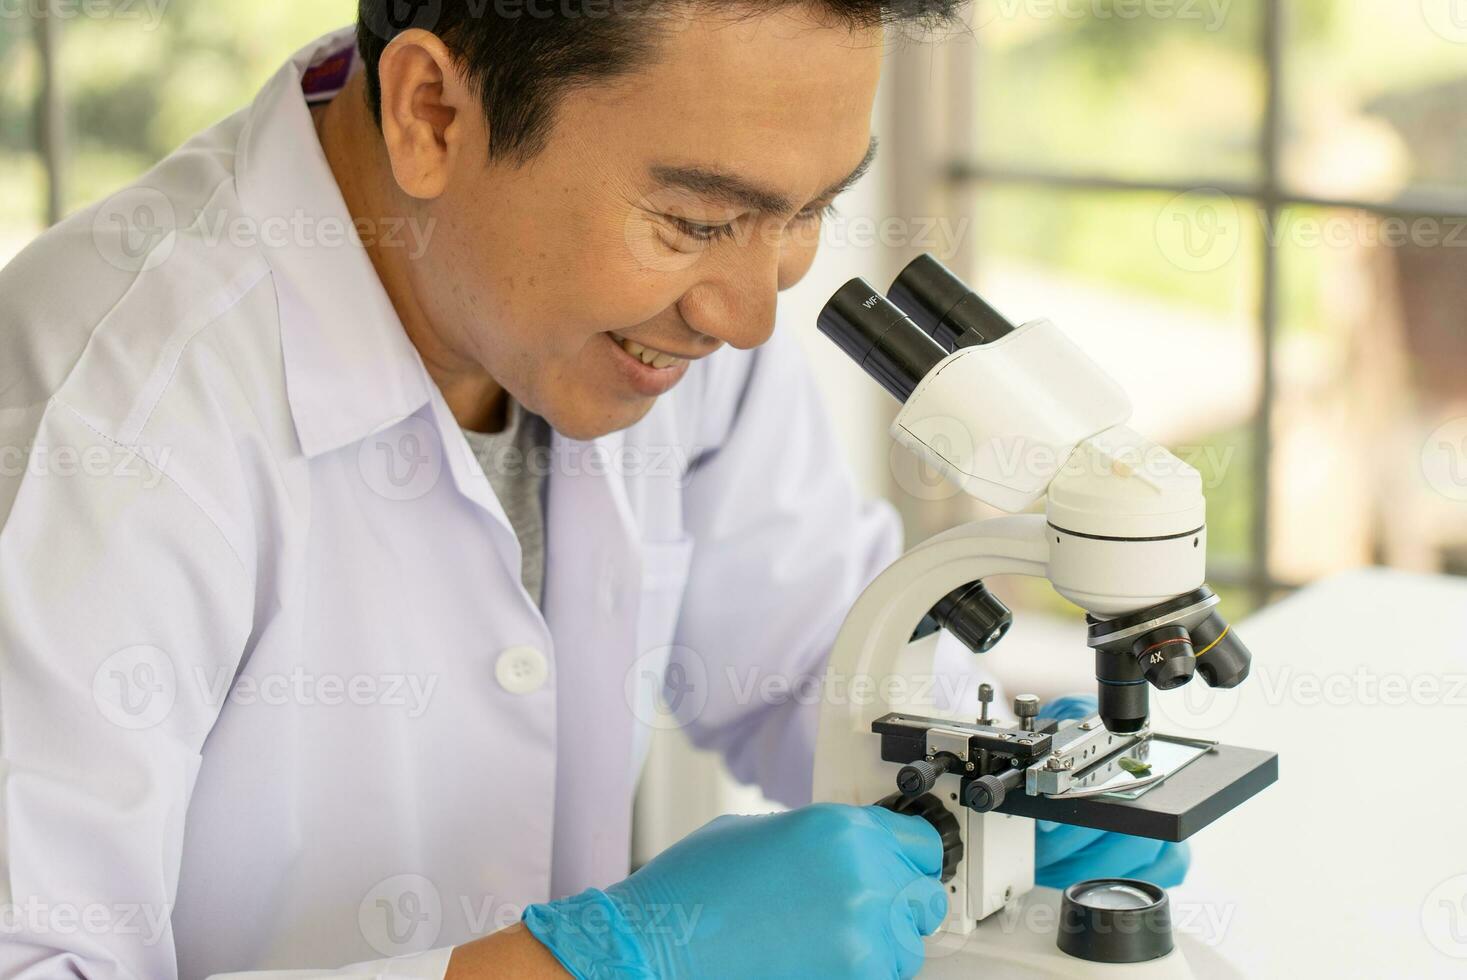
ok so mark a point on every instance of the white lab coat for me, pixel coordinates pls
(271, 694)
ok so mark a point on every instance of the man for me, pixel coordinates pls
(302, 662)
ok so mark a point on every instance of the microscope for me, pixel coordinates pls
(1016, 415)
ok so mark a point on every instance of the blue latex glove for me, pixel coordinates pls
(825, 891)
(1064, 854)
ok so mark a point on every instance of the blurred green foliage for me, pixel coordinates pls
(138, 81)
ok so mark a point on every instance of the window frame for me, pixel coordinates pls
(963, 174)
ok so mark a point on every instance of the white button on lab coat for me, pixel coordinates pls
(522, 670)
(272, 696)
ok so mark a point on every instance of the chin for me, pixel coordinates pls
(591, 418)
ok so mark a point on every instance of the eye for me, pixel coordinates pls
(700, 232)
(817, 214)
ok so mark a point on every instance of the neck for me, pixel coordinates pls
(358, 159)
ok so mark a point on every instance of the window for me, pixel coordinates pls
(93, 94)
(1254, 212)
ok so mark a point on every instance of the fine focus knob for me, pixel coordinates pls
(931, 809)
(919, 777)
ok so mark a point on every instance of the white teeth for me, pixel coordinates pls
(647, 355)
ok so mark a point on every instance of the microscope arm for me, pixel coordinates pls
(999, 850)
(879, 625)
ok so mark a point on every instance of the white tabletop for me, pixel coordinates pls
(1354, 864)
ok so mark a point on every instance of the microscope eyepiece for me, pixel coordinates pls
(945, 307)
(879, 337)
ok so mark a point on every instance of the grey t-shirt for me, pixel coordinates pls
(516, 462)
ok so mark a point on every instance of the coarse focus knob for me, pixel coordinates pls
(919, 777)
(931, 809)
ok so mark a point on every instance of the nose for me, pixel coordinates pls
(734, 305)
(735, 302)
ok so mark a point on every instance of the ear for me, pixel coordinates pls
(427, 112)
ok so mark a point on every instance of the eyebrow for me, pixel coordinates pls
(730, 187)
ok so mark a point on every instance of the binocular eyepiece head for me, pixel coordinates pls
(898, 338)
(1162, 647)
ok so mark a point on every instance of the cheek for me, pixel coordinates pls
(796, 257)
(609, 287)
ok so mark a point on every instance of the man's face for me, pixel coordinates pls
(667, 210)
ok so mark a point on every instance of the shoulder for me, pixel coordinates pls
(144, 317)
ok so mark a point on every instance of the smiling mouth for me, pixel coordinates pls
(650, 356)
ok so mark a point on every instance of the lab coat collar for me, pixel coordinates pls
(350, 368)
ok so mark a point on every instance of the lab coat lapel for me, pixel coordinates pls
(592, 571)
(468, 476)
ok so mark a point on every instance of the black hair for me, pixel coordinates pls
(521, 56)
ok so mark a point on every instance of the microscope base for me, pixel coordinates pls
(1018, 943)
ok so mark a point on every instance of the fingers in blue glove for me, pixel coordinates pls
(1117, 856)
(823, 891)
(1054, 842)
(918, 910)
(918, 840)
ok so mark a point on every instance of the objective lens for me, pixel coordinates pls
(1222, 660)
(879, 337)
(1165, 656)
(1121, 691)
(944, 306)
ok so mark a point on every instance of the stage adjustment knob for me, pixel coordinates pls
(919, 777)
